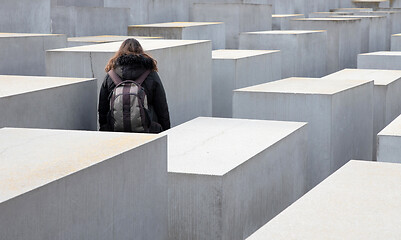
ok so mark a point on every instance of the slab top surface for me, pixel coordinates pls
(380, 77)
(147, 44)
(359, 16)
(13, 85)
(362, 200)
(396, 35)
(285, 32)
(286, 15)
(215, 146)
(106, 38)
(31, 158)
(297, 85)
(383, 53)
(327, 19)
(177, 24)
(237, 54)
(6, 35)
(393, 129)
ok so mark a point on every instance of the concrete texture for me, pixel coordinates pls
(185, 68)
(282, 21)
(329, 14)
(47, 102)
(360, 201)
(214, 31)
(24, 54)
(352, 9)
(89, 21)
(373, 32)
(387, 92)
(83, 41)
(389, 143)
(374, 4)
(303, 52)
(291, 6)
(78, 3)
(227, 177)
(237, 18)
(343, 37)
(339, 115)
(396, 42)
(25, 16)
(380, 60)
(82, 185)
(234, 69)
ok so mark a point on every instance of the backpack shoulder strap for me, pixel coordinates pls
(142, 78)
(116, 79)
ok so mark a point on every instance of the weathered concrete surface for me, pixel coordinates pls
(387, 92)
(340, 124)
(82, 185)
(227, 177)
(373, 32)
(47, 102)
(82, 41)
(396, 42)
(292, 7)
(24, 54)
(237, 18)
(343, 35)
(304, 53)
(374, 4)
(89, 21)
(352, 9)
(25, 16)
(214, 31)
(329, 14)
(234, 69)
(78, 3)
(185, 68)
(362, 200)
(282, 21)
(389, 143)
(380, 60)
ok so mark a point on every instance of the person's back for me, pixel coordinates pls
(130, 63)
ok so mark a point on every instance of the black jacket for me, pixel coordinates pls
(130, 67)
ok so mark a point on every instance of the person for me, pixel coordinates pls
(129, 63)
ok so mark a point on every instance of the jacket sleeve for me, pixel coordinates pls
(104, 106)
(160, 104)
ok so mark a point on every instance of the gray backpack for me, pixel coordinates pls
(129, 105)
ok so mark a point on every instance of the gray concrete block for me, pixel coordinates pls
(329, 14)
(185, 68)
(343, 36)
(83, 41)
(387, 92)
(282, 21)
(63, 185)
(24, 54)
(78, 3)
(237, 18)
(374, 4)
(214, 31)
(352, 9)
(47, 102)
(396, 42)
(340, 124)
(304, 53)
(89, 21)
(234, 69)
(389, 143)
(292, 7)
(380, 60)
(25, 16)
(359, 201)
(227, 177)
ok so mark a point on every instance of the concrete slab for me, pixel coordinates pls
(24, 54)
(185, 68)
(25, 16)
(238, 17)
(282, 21)
(374, 4)
(227, 177)
(82, 185)
(351, 9)
(360, 201)
(329, 14)
(380, 60)
(214, 31)
(387, 92)
(292, 7)
(234, 69)
(396, 42)
(389, 142)
(340, 125)
(89, 40)
(303, 52)
(89, 21)
(47, 102)
(78, 3)
(343, 36)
